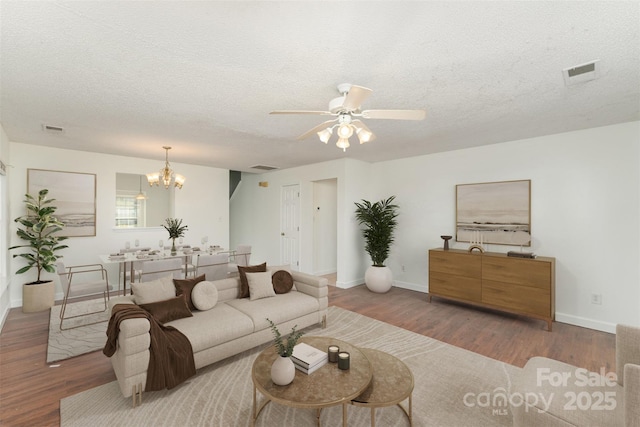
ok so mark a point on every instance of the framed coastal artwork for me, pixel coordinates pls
(75, 195)
(494, 212)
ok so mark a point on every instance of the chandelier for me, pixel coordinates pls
(166, 175)
(346, 128)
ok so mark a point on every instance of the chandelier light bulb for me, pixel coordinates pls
(363, 135)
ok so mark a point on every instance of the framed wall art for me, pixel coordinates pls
(494, 212)
(75, 195)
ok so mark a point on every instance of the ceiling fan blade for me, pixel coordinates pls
(355, 97)
(317, 113)
(360, 124)
(395, 114)
(316, 129)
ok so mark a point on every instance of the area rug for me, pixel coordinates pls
(453, 387)
(84, 339)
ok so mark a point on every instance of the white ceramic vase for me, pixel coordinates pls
(282, 371)
(378, 279)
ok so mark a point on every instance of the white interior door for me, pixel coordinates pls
(290, 225)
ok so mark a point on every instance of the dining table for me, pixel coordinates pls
(126, 260)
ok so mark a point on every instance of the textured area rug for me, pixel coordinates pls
(452, 388)
(84, 339)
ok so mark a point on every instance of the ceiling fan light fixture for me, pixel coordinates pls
(343, 143)
(363, 135)
(325, 134)
(345, 131)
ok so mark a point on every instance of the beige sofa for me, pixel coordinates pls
(552, 393)
(233, 325)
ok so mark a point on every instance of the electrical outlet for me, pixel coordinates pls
(596, 299)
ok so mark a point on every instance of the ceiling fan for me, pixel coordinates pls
(347, 110)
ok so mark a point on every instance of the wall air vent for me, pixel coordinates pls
(264, 167)
(57, 130)
(581, 73)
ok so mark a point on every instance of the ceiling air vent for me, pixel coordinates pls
(264, 167)
(581, 73)
(57, 130)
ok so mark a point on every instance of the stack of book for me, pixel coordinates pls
(308, 359)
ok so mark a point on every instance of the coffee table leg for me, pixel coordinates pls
(344, 415)
(318, 417)
(253, 421)
(373, 417)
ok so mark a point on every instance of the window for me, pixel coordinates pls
(129, 211)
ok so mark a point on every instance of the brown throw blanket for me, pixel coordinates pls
(171, 359)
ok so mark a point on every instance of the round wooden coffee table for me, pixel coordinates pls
(392, 383)
(328, 386)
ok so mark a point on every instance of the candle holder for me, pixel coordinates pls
(343, 360)
(333, 353)
(446, 241)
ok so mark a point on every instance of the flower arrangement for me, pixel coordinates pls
(285, 350)
(176, 229)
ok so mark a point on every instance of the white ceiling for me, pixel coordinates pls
(127, 78)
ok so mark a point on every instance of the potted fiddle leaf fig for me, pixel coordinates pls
(39, 229)
(176, 229)
(379, 221)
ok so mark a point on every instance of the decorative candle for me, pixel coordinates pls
(343, 360)
(333, 353)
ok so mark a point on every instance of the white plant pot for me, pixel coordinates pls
(38, 297)
(282, 371)
(378, 279)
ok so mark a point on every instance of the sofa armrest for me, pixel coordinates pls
(309, 284)
(128, 299)
(632, 395)
(627, 348)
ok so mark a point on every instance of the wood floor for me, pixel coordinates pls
(30, 390)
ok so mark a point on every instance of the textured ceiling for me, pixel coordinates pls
(127, 78)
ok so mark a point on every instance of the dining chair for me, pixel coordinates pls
(214, 267)
(137, 265)
(157, 269)
(96, 281)
(241, 257)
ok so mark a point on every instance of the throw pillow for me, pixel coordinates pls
(243, 269)
(204, 295)
(260, 285)
(282, 281)
(168, 310)
(155, 290)
(185, 287)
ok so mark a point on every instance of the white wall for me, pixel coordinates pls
(5, 300)
(585, 212)
(202, 203)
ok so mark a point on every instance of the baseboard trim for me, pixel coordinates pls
(350, 284)
(411, 286)
(586, 323)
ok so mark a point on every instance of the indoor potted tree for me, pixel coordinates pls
(176, 229)
(379, 221)
(39, 230)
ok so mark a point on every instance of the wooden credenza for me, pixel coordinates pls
(517, 285)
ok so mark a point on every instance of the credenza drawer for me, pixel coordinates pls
(524, 272)
(459, 287)
(525, 299)
(458, 264)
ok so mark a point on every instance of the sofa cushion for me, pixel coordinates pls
(185, 287)
(213, 327)
(242, 270)
(204, 295)
(282, 281)
(156, 290)
(168, 310)
(260, 285)
(280, 309)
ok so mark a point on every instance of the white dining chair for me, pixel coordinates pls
(79, 281)
(214, 267)
(241, 256)
(157, 269)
